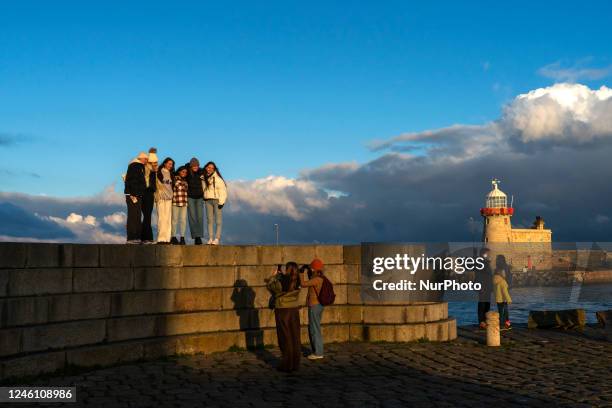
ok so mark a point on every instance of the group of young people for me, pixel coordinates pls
(285, 287)
(178, 194)
(493, 283)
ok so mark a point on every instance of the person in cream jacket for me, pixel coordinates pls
(215, 196)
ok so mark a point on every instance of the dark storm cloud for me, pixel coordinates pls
(17, 222)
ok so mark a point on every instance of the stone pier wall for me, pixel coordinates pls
(67, 305)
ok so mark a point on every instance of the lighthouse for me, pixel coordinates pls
(496, 214)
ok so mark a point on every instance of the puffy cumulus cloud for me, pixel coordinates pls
(86, 229)
(293, 198)
(560, 114)
(117, 219)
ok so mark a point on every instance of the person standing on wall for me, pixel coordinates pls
(163, 199)
(179, 206)
(315, 308)
(195, 201)
(215, 196)
(148, 199)
(134, 181)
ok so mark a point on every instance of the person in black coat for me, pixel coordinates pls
(484, 276)
(195, 198)
(148, 198)
(134, 190)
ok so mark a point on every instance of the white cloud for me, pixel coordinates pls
(87, 229)
(575, 72)
(117, 219)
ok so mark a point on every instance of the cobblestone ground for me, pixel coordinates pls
(532, 368)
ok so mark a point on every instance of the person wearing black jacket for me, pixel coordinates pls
(134, 190)
(484, 276)
(195, 199)
(148, 198)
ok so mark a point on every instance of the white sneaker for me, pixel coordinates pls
(210, 242)
(314, 357)
(215, 242)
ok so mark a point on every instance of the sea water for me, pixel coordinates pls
(591, 297)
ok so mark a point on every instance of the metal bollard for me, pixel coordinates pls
(493, 337)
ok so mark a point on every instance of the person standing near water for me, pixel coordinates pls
(315, 308)
(484, 276)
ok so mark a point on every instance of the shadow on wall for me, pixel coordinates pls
(243, 297)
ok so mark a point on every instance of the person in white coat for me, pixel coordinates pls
(163, 199)
(215, 196)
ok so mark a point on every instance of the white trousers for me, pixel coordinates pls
(164, 220)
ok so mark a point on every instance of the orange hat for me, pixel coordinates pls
(317, 264)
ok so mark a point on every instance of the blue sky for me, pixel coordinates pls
(261, 88)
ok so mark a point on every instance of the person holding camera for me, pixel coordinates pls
(285, 289)
(215, 195)
(315, 308)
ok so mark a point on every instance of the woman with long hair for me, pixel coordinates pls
(285, 289)
(215, 196)
(163, 200)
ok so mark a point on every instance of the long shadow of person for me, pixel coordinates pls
(243, 297)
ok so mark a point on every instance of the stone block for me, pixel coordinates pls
(341, 292)
(42, 255)
(223, 255)
(196, 255)
(410, 332)
(103, 279)
(240, 298)
(12, 255)
(131, 328)
(157, 278)
(335, 333)
(10, 342)
(86, 255)
(353, 273)
(112, 256)
(435, 311)
(203, 322)
(191, 300)
(157, 348)
(207, 343)
(142, 303)
(23, 311)
(384, 314)
(66, 255)
(437, 331)
(33, 365)
(169, 255)
(375, 332)
(208, 277)
(353, 294)
(254, 275)
(145, 255)
(352, 254)
(24, 282)
(105, 355)
(302, 254)
(247, 255)
(63, 335)
(4, 280)
(356, 332)
(336, 274)
(79, 307)
(270, 255)
(330, 254)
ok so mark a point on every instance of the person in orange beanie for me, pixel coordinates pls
(315, 308)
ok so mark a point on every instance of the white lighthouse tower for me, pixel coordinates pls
(496, 214)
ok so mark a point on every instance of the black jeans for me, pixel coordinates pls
(148, 201)
(502, 308)
(134, 218)
(483, 308)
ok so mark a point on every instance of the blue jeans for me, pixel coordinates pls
(314, 329)
(179, 221)
(502, 308)
(195, 210)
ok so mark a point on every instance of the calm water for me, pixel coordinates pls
(592, 298)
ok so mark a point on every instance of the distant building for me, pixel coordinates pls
(497, 221)
(528, 248)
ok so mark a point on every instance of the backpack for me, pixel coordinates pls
(326, 295)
